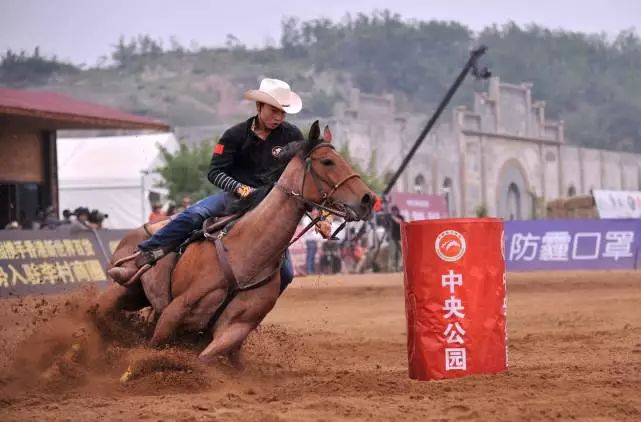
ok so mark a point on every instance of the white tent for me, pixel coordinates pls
(113, 174)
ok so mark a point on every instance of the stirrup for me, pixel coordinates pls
(127, 258)
(137, 275)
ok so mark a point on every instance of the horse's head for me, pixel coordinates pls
(329, 179)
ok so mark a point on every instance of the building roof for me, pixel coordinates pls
(50, 110)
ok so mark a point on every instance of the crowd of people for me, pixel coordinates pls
(157, 212)
(351, 252)
(356, 251)
(48, 219)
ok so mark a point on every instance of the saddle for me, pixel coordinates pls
(156, 281)
(211, 225)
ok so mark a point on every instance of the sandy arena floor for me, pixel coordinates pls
(334, 349)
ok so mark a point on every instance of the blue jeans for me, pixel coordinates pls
(177, 230)
(310, 260)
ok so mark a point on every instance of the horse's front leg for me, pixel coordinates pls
(169, 320)
(114, 300)
(176, 312)
(240, 317)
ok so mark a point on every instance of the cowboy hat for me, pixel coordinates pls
(276, 93)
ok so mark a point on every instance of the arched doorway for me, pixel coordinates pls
(419, 184)
(571, 191)
(513, 202)
(448, 191)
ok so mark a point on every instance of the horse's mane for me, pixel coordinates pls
(289, 151)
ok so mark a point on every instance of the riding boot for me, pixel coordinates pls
(128, 270)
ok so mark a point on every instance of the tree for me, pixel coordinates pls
(369, 174)
(185, 171)
(20, 69)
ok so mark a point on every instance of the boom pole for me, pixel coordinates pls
(482, 74)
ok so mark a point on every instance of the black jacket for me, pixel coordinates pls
(240, 156)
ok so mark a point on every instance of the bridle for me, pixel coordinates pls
(325, 197)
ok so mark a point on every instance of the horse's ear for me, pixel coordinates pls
(327, 134)
(314, 132)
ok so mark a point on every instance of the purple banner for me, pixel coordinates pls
(572, 244)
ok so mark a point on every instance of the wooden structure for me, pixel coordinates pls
(28, 164)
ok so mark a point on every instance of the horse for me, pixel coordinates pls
(203, 292)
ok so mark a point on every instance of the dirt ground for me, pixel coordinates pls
(334, 349)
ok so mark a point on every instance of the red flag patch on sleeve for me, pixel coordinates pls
(219, 148)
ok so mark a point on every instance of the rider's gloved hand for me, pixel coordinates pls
(324, 228)
(244, 191)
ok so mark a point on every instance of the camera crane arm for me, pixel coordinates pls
(478, 74)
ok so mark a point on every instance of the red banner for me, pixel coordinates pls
(454, 297)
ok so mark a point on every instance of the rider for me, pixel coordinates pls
(242, 156)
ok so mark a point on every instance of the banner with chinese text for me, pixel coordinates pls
(416, 206)
(572, 244)
(52, 261)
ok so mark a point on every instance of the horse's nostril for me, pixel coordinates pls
(367, 200)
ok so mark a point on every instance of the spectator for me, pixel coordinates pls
(156, 213)
(394, 231)
(347, 250)
(96, 218)
(185, 203)
(14, 225)
(82, 215)
(171, 209)
(312, 239)
(66, 216)
(330, 260)
(50, 220)
(360, 256)
(82, 219)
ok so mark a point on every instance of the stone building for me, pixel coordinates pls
(502, 153)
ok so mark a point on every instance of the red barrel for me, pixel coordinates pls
(455, 297)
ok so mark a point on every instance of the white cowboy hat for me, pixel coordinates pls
(277, 93)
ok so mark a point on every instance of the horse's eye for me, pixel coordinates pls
(327, 162)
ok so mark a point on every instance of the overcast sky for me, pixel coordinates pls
(82, 30)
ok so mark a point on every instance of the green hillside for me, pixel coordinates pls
(589, 81)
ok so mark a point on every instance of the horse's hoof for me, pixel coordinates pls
(237, 364)
(127, 375)
(205, 359)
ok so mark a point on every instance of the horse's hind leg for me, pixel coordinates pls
(240, 317)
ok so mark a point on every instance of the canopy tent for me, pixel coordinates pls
(114, 174)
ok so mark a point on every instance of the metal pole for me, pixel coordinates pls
(471, 64)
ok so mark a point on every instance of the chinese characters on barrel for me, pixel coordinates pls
(455, 352)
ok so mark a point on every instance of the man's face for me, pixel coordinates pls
(186, 202)
(271, 116)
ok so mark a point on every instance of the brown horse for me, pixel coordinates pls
(315, 173)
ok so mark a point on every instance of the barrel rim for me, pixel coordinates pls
(441, 221)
